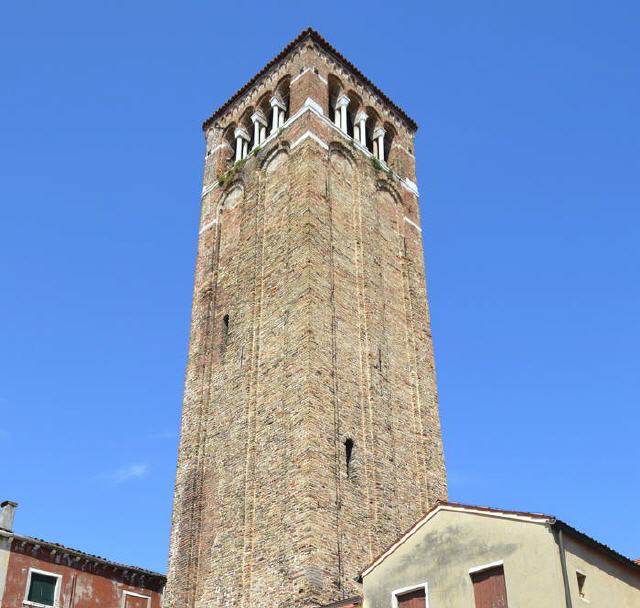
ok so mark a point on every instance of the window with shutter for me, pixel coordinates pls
(489, 588)
(42, 589)
(412, 599)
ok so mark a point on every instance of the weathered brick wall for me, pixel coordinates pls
(316, 258)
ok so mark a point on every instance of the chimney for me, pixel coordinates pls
(7, 511)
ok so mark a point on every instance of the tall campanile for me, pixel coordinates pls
(310, 431)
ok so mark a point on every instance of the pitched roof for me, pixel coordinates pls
(311, 34)
(521, 515)
(94, 558)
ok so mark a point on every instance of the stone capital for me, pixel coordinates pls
(361, 116)
(343, 100)
(275, 101)
(379, 132)
(242, 132)
(259, 116)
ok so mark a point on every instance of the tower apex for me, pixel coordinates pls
(310, 34)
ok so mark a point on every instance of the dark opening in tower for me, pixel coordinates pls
(225, 332)
(348, 453)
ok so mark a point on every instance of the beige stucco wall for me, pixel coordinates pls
(443, 551)
(609, 583)
(5, 552)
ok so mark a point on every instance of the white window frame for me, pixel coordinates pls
(56, 593)
(396, 592)
(131, 593)
(477, 569)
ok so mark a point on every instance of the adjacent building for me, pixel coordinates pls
(35, 573)
(462, 556)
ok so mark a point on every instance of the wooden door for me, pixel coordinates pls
(489, 588)
(412, 599)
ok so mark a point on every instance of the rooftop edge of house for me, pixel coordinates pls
(82, 554)
(524, 515)
(7, 511)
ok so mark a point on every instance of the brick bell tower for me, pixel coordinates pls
(310, 430)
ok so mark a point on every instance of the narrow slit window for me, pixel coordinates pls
(348, 454)
(582, 579)
(225, 333)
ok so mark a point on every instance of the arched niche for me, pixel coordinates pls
(275, 159)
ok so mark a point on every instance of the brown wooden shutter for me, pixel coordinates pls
(489, 588)
(412, 599)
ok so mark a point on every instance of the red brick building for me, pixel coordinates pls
(36, 573)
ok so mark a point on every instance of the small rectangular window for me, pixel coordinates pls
(582, 579)
(489, 588)
(42, 588)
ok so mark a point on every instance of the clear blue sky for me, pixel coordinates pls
(528, 164)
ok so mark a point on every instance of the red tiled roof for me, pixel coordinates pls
(309, 33)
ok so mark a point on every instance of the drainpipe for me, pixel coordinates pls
(72, 595)
(563, 563)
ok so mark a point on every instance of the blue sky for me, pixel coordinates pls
(528, 162)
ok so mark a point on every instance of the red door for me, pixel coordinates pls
(489, 588)
(412, 599)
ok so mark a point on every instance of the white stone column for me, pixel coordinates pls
(263, 134)
(259, 125)
(341, 106)
(278, 108)
(378, 135)
(336, 115)
(361, 121)
(242, 143)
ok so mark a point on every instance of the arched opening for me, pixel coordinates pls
(230, 148)
(282, 91)
(373, 122)
(389, 136)
(335, 90)
(247, 125)
(353, 108)
(263, 105)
